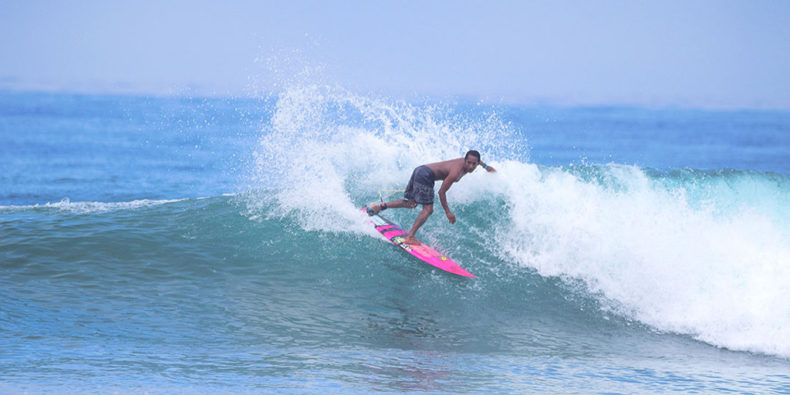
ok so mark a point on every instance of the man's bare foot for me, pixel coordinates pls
(411, 241)
(375, 209)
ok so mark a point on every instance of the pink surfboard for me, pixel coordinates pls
(422, 251)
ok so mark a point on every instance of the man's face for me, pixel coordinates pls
(470, 163)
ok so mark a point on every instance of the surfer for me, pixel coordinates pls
(420, 188)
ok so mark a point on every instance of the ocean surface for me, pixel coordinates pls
(160, 244)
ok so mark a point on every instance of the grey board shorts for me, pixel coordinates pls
(420, 188)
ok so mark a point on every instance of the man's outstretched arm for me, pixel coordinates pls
(488, 168)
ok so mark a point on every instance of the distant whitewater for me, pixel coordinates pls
(192, 244)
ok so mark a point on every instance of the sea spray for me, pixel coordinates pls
(327, 151)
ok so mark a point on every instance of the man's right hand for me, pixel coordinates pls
(451, 217)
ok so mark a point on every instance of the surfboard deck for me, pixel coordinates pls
(394, 233)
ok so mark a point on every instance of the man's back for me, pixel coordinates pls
(442, 169)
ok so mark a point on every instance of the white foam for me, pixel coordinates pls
(720, 277)
(92, 207)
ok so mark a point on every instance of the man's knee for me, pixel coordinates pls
(411, 204)
(427, 209)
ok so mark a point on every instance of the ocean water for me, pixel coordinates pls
(164, 245)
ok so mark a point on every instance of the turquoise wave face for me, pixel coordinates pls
(164, 269)
(596, 246)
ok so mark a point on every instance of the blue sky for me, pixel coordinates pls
(655, 53)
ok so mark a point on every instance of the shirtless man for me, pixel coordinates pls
(420, 188)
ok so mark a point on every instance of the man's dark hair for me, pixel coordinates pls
(473, 153)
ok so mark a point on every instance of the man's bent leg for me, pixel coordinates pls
(376, 208)
(427, 210)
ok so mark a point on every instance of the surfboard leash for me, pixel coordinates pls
(392, 192)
